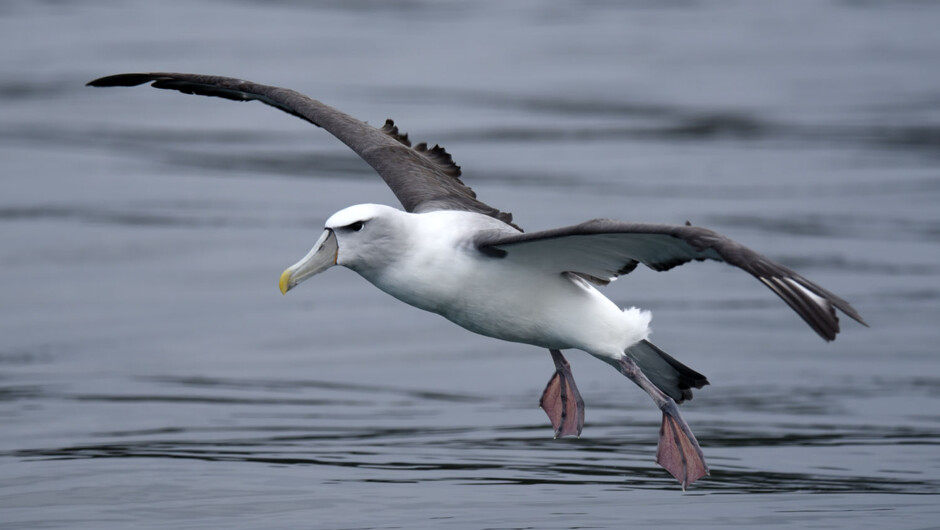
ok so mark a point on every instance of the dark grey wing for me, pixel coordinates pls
(423, 178)
(603, 249)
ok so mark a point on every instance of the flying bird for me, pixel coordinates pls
(451, 254)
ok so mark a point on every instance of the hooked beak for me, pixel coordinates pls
(321, 257)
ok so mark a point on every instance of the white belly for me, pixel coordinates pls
(497, 298)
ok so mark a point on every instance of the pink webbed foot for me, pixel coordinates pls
(678, 451)
(562, 401)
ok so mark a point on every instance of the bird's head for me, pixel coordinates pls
(358, 237)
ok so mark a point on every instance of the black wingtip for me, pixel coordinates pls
(851, 312)
(123, 80)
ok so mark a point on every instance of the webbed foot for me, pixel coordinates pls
(562, 401)
(678, 451)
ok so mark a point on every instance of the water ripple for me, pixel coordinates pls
(519, 460)
(356, 431)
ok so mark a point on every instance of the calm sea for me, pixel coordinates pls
(152, 376)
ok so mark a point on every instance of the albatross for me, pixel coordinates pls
(451, 254)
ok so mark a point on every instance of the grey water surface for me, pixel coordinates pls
(151, 375)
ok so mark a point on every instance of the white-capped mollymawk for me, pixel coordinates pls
(451, 254)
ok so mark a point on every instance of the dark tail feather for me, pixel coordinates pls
(669, 375)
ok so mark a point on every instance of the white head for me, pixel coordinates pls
(361, 237)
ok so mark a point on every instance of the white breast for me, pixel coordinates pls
(441, 271)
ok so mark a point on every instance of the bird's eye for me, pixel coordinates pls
(355, 227)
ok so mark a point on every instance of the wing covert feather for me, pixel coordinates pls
(605, 249)
(422, 178)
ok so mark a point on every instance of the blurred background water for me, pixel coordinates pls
(151, 375)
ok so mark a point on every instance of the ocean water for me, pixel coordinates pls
(152, 376)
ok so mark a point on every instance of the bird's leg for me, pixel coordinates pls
(562, 401)
(678, 451)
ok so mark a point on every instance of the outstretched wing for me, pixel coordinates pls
(423, 178)
(601, 250)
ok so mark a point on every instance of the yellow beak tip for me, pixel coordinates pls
(284, 282)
